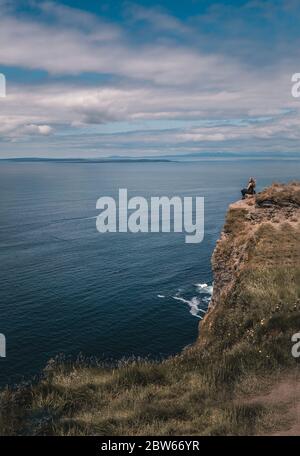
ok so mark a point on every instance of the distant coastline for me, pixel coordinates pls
(181, 158)
(85, 160)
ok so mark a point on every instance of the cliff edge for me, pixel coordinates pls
(251, 222)
(256, 262)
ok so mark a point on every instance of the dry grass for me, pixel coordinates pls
(281, 194)
(186, 402)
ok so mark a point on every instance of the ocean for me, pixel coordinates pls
(67, 289)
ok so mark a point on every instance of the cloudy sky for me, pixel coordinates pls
(145, 78)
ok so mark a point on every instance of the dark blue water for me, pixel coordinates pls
(65, 288)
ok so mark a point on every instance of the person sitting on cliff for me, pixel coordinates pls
(250, 190)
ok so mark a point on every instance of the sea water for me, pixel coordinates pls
(66, 288)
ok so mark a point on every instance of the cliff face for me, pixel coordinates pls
(256, 262)
(277, 206)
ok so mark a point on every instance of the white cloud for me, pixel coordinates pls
(68, 47)
(153, 80)
(38, 129)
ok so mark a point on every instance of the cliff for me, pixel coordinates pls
(251, 222)
(256, 269)
(228, 382)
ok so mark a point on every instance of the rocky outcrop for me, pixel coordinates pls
(246, 243)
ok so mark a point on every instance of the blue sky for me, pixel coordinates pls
(145, 78)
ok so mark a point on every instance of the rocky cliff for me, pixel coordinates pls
(256, 261)
(276, 208)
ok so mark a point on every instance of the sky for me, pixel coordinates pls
(148, 78)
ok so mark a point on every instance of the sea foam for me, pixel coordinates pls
(204, 288)
(193, 304)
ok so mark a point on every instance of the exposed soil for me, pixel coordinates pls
(284, 396)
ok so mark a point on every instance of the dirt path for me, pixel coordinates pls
(285, 396)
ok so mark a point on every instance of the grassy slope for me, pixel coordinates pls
(244, 348)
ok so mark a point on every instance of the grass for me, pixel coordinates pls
(281, 194)
(245, 346)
